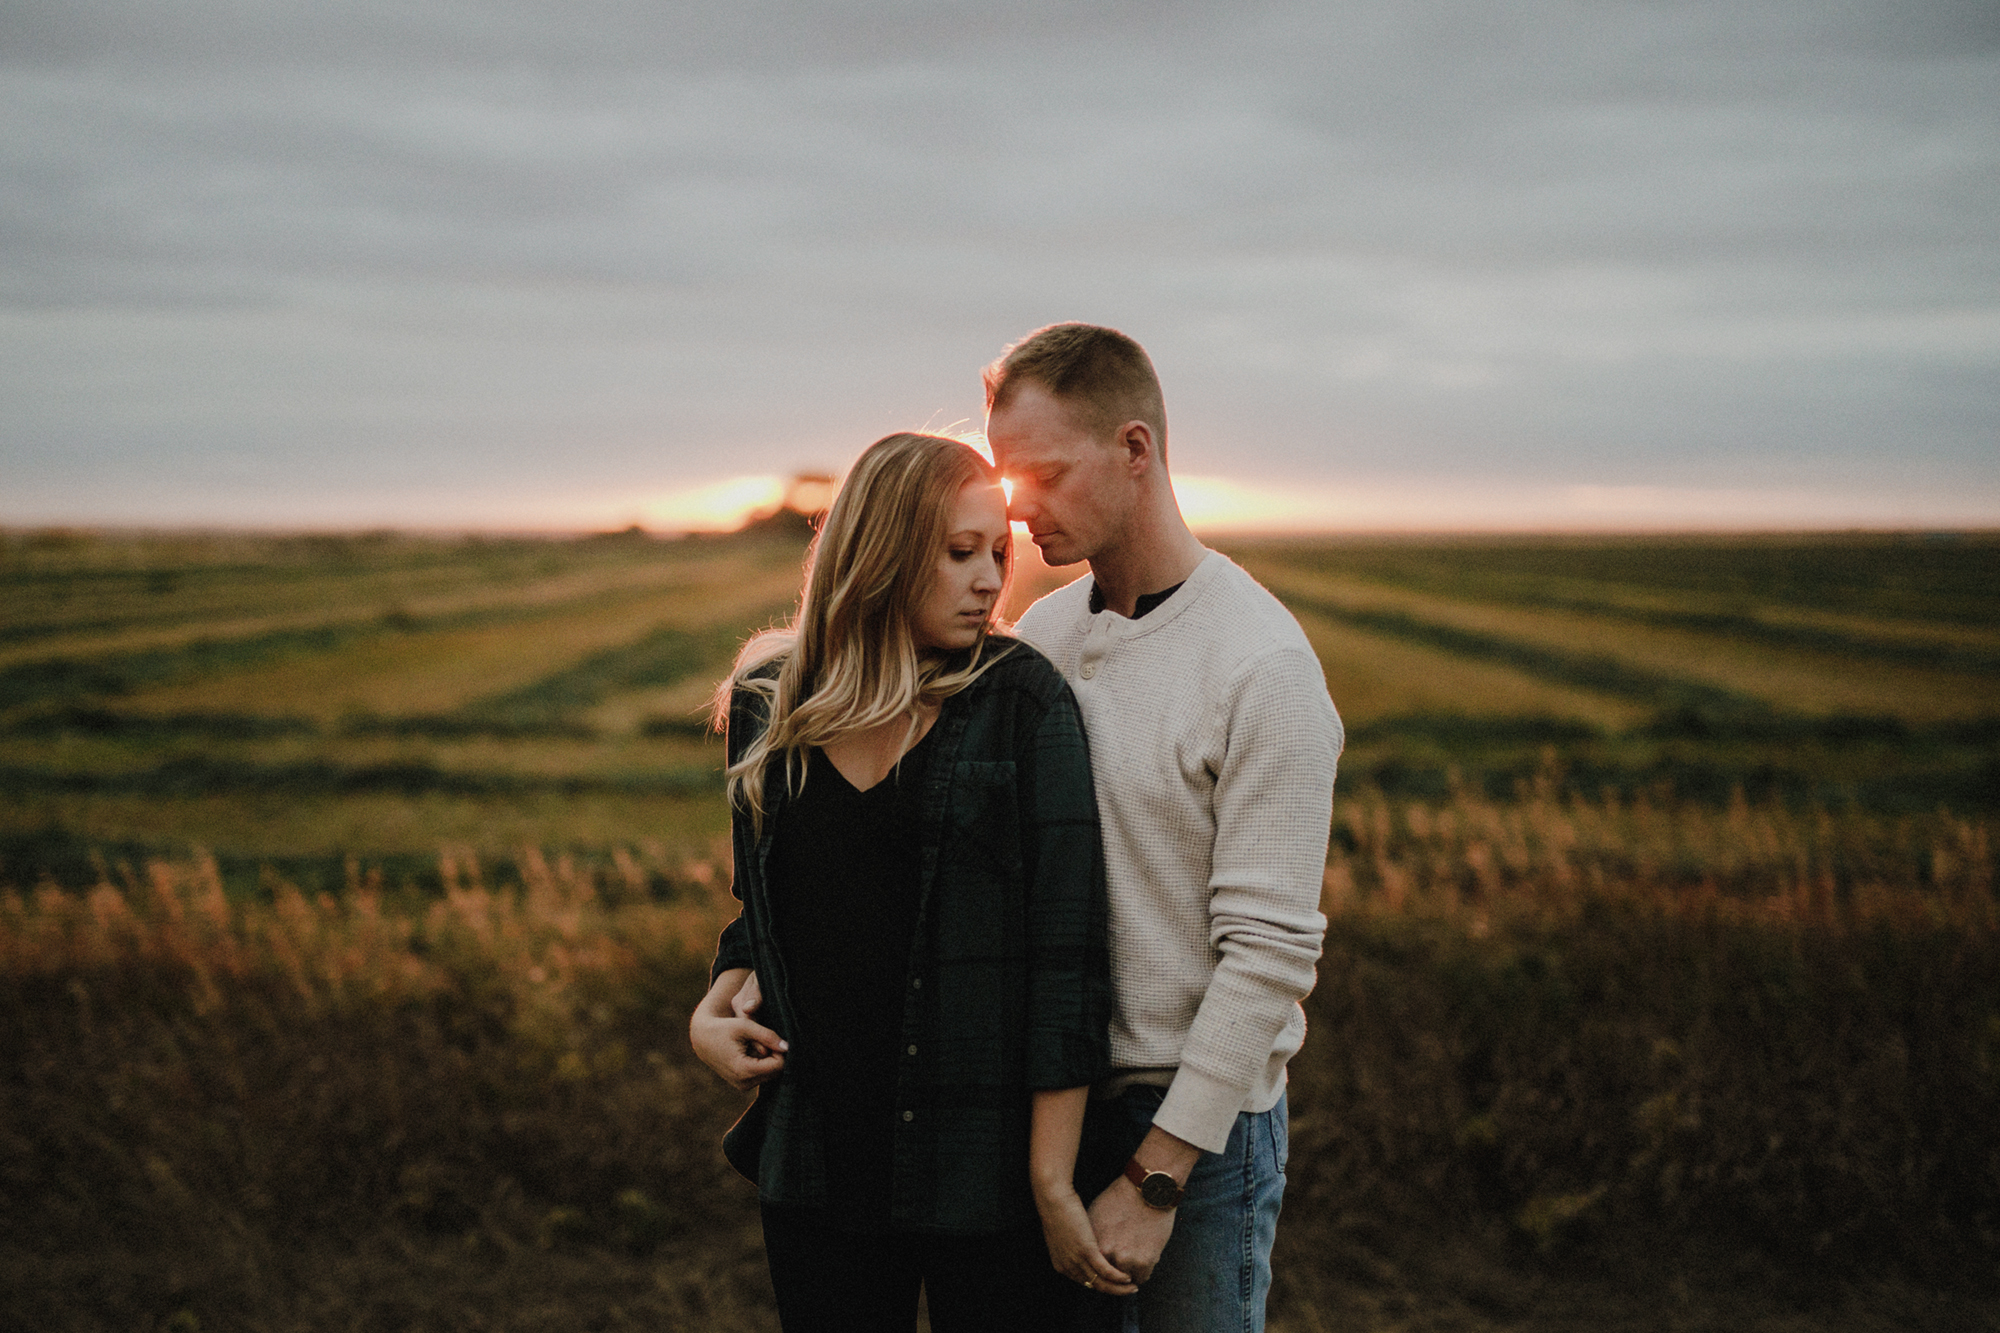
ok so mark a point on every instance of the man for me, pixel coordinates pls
(1213, 743)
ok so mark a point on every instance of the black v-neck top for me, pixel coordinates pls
(1008, 978)
(845, 884)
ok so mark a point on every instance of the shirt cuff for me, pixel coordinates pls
(732, 949)
(1200, 1109)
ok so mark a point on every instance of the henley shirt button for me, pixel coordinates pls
(909, 1116)
(1089, 670)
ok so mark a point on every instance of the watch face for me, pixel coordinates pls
(1160, 1191)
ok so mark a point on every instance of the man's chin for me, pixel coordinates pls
(1059, 553)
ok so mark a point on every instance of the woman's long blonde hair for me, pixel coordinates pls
(850, 657)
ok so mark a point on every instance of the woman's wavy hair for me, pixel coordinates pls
(849, 657)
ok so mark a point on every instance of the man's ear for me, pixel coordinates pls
(1136, 438)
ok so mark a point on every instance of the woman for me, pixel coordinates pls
(916, 850)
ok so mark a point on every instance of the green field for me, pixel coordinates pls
(353, 891)
(294, 702)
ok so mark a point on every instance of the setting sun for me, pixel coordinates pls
(1219, 504)
(716, 507)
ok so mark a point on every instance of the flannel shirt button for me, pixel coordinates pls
(909, 1116)
(916, 983)
(909, 1050)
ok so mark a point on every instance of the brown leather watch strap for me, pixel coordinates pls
(1157, 1188)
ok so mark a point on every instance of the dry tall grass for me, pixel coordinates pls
(1595, 1029)
(1550, 856)
(1549, 1030)
(363, 1110)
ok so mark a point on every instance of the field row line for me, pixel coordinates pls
(192, 775)
(1590, 671)
(73, 680)
(510, 598)
(1735, 625)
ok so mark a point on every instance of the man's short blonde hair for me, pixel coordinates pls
(1100, 374)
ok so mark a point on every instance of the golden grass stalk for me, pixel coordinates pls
(544, 944)
(1553, 857)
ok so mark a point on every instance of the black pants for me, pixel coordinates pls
(833, 1281)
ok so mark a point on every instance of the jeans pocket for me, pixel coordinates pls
(1281, 1135)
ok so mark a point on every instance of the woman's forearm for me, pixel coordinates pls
(1055, 1129)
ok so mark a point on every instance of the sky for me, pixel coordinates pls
(1400, 263)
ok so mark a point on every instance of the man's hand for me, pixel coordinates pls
(1130, 1234)
(1129, 1230)
(740, 1049)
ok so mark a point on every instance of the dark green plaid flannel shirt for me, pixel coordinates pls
(1009, 985)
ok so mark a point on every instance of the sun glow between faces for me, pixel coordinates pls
(1213, 503)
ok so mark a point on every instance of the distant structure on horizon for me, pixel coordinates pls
(808, 495)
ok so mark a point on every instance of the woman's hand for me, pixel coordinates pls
(1055, 1125)
(740, 1049)
(1073, 1245)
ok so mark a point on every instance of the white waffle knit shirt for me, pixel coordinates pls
(1213, 743)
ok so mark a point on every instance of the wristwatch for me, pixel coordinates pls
(1157, 1188)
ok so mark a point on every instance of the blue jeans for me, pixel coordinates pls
(1215, 1273)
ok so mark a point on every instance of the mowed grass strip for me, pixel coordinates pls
(134, 582)
(459, 591)
(191, 773)
(1947, 644)
(1665, 669)
(430, 674)
(1930, 580)
(1595, 672)
(118, 668)
(1374, 675)
(145, 606)
(1951, 645)
(560, 702)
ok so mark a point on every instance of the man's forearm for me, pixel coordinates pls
(1161, 1151)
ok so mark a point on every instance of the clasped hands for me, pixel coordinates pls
(1113, 1246)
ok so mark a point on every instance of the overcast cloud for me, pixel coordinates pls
(508, 262)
